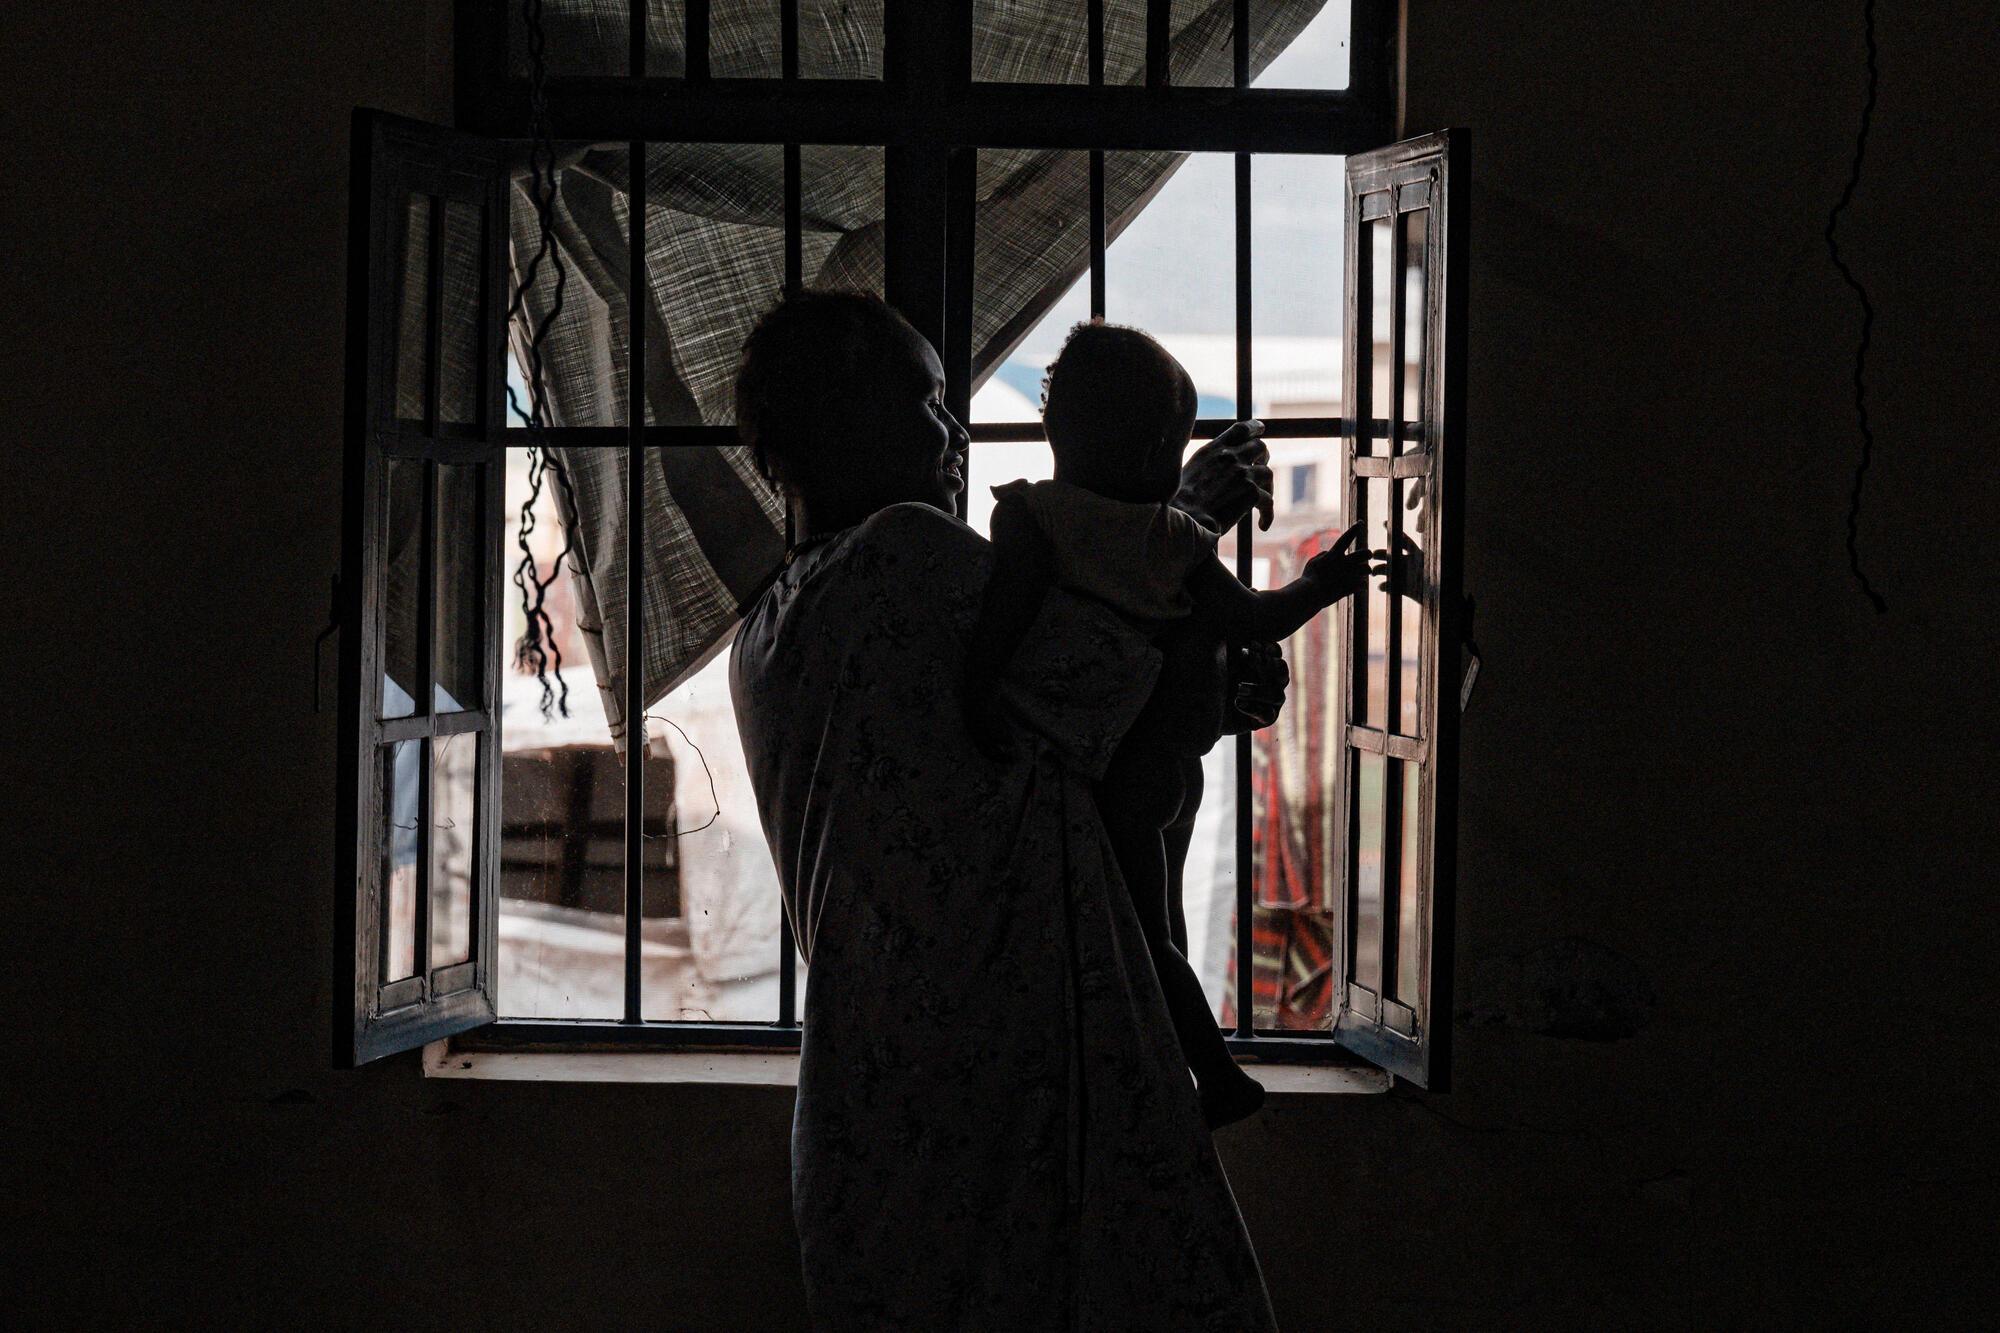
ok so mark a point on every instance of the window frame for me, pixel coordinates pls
(930, 119)
(395, 160)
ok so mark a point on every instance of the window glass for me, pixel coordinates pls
(1413, 575)
(715, 260)
(1317, 58)
(399, 803)
(460, 306)
(1376, 535)
(1294, 849)
(1371, 776)
(562, 802)
(402, 585)
(460, 627)
(840, 215)
(1409, 960)
(454, 838)
(840, 39)
(1030, 274)
(1373, 313)
(585, 348)
(586, 37)
(1172, 271)
(713, 910)
(1416, 315)
(1030, 41)
(413, 306)
(1297, 219)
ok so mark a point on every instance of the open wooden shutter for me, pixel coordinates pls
(416, 908)
(1402, 467)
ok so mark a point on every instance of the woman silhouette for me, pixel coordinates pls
(994, 1128)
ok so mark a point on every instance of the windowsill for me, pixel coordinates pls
(780, 1069)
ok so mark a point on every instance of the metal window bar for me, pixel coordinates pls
(1246, 1019)
(636, 297)
(1392, 630)
(876, 113)
(1094, 19)
(1159, 14)
(788, 58)
(696, 68)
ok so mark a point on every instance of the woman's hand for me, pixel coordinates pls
(1257, 677)
(1227, 478)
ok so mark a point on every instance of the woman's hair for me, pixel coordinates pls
(1117, 395)
(811, 380)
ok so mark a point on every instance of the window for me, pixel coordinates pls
(1216, 172)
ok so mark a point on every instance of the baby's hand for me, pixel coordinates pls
(1344, 567)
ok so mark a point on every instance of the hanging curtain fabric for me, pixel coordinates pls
(715, 261)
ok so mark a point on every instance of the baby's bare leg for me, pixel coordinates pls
(1179, 835)
(1142, 790)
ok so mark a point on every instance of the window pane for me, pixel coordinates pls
(1410, 884)
(460, 627)
(1366, 945)
(1316, 58)
(1295, 856)
(1203, 41)
(1030, 274)
(993, 462)
(584, 366)
(588, 37)
(712, 906)
(840, 210)
(1172, 272)
(1031, 41)
(1375, 695)
(1415, 326)
(744, 37)
(1372, 312)
(413, 308)
(398, 798)
(666, 37)
(715, 260)
(1296, 221)
(562, 803)
(1209, 879)
(402, 585)
(712, 901)
(461, 321)
(840, 39)
(454, 835)
(1414, 576)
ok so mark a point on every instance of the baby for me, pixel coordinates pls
(1119, 411)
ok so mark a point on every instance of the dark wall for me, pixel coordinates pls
(1723, 1046)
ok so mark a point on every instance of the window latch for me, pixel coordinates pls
(1471, 676)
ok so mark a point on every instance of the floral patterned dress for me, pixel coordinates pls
(995, 1128)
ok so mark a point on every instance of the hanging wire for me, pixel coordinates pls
(713, 800)
(538, 647)
(1867, 323)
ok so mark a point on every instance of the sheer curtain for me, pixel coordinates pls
(715, 262)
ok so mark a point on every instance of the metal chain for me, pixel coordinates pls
(538, 647)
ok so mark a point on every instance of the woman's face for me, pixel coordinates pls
(923, 447)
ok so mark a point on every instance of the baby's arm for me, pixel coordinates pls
(1023, 573)
(1241, 613)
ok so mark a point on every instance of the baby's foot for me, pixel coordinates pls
(1230, 1098)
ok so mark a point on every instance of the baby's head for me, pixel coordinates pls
(1119, 410)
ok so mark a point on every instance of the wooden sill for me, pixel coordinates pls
(779, 1069)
